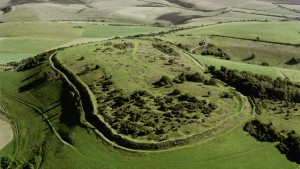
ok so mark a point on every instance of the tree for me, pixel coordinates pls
(293, 61)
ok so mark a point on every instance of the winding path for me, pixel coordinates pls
(198, 47)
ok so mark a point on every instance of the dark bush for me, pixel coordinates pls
(262, 131)
(196, 77)
(165, 81)
(293, 61)
(180, 79)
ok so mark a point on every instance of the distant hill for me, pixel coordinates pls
(156, 12)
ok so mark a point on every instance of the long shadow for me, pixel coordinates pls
(48, 128)
(46, 111)
(34, 84)
(70, 115)
(248, 59)
(29, 77)
(51, 117)
(51, 108)
(40, 86)
(55, 102)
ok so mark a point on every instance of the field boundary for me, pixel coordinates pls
(257, 40)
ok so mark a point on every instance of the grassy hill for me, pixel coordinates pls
(149, 84)
(91, 152)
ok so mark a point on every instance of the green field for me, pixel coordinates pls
(287, 32)
(22, 40)
(233, 149)
(50, 108)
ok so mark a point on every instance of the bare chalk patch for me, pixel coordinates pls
(6, 133)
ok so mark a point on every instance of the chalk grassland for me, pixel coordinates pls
(233, 149)
(21, 40)
(139, 69)
(287, 32)
(23, 106)
(270, 71)
(240, 50)
(292, 75)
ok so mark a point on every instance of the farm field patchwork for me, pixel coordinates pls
(22, 40)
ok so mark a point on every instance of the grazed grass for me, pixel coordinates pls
(287, 32)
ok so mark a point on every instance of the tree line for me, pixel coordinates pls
(259, 86)
(266, 132)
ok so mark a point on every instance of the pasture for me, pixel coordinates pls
(22, 40)
(286, 32)
(140, 68)
(232, 148)
(49, 131)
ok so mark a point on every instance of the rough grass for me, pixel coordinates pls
(139, 68)
(235, 149)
